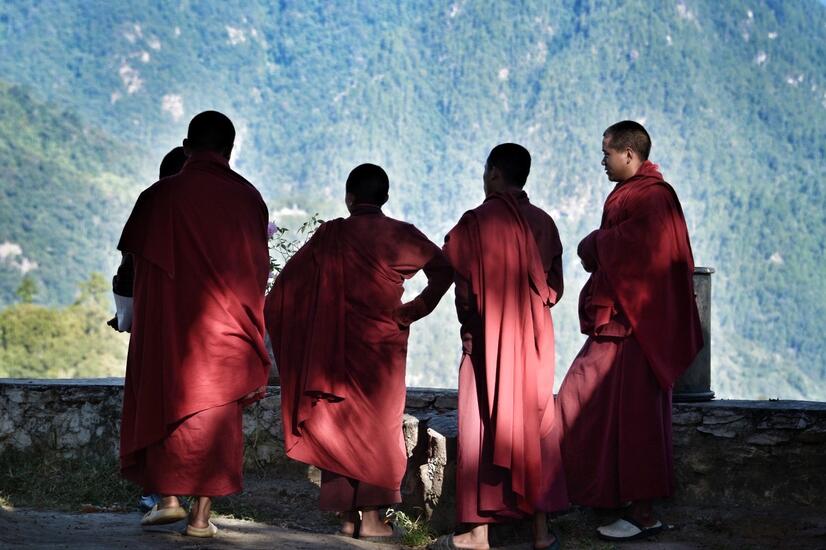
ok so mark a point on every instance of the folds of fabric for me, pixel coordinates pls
(334, 317)
(644, 269)
(616, 421)
(201, 263)
(203, 455)
(508, 463)
(343, 494)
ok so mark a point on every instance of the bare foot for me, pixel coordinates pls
(642, 512)
(475, 539)
(372, 525)
(200, 511)
(168, 502)
(348, 523)
(544, 542)
(542, 537)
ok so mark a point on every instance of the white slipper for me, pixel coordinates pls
(627, 529)
(162, 516)
(203, 532)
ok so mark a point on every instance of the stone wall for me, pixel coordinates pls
(726, 452)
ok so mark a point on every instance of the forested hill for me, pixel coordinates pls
(733, 93)
(64, 190)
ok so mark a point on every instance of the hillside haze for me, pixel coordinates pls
(734, 96)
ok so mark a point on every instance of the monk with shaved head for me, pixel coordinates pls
(640, 316)
(196, 353)
(339, 332)
(508, 261)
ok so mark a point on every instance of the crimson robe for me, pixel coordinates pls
(508, 261)
(639, 312)
(199, 241)
(339, 333)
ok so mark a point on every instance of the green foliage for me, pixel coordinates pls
(416, 531)
(74, 341)
(27, 290)
(64, 195)
(284, 242)
(732, 94)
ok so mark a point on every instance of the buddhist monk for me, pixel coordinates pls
(639, 313)
(196, 353)
(122, 282)
(339, 332)
(508, 261)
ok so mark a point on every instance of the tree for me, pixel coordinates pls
(27, 290)
(94, 292)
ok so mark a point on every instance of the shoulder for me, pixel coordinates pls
(539, 214)
(662, 193)
(248, 187)
(470, 216)
(404, 231)
(155, 193)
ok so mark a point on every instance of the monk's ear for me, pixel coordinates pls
(629, 155)
(384, 200)
(187, 147)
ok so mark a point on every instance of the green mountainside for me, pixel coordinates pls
(64, 191)
(733, 94)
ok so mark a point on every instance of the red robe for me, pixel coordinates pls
(640, 315)
(507, 256)
(199, 240)
(339, 332)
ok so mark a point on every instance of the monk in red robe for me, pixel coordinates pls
(508, 261)
(122, 282)
(196, 354)
(639, 313)
(339, 332)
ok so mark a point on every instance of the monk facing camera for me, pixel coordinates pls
(339, 332)
(198, 240)
(643, 329)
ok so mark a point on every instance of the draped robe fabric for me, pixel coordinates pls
(639, 312)
(339, 332)
(199, 241)
(507, 256)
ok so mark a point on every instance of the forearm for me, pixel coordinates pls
(587, 252)
(439, 278)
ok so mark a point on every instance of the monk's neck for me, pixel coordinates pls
(365, 209)
(208, 156)
(519, 194)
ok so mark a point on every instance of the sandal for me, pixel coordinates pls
(627, 529)
(202, 532)
(162, 516)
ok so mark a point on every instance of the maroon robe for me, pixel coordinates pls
(508, 261)
(339, 332)
(199, 241)
(640, 315)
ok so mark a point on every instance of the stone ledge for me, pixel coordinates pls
(759, 453)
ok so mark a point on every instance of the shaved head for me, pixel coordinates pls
(211, 131)
(368, 184)
(631, 135)
(172, 162)
(513, 161)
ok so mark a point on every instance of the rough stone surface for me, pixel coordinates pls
(726, 452)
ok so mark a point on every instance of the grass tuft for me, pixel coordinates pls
(416, 531)
(64, 483)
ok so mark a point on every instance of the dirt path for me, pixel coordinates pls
(38, 529)
(53, 530)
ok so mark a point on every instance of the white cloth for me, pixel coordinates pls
(124, 312)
